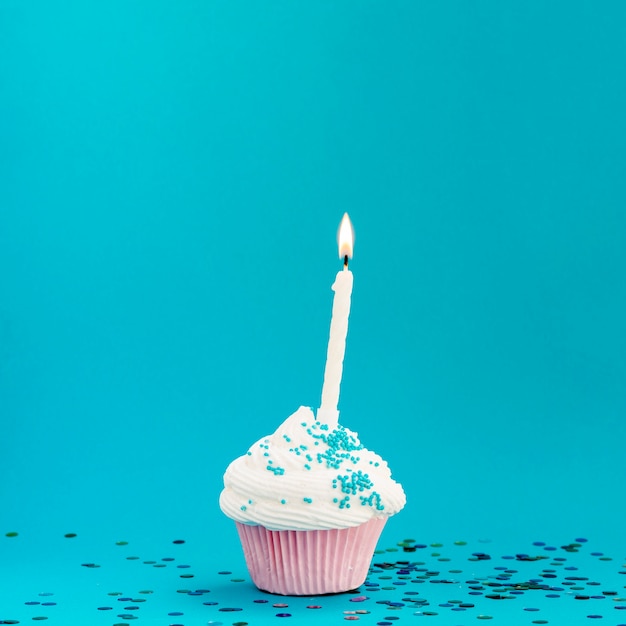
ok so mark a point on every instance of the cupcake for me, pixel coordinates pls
(309, 503)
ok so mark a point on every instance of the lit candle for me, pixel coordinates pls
(338, 327)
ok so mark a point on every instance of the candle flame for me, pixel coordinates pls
(345, 237)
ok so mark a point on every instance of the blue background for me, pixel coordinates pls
(171, 179)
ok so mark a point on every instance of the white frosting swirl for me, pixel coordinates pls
(309, 476)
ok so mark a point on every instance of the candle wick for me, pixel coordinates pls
(345, 261)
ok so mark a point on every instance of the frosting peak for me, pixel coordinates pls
(309, 475)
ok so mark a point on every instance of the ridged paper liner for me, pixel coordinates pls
(309, 562)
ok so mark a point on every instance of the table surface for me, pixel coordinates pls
(74, 579)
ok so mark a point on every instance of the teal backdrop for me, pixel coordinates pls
(172, 176)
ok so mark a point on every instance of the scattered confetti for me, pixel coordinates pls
(458, 583)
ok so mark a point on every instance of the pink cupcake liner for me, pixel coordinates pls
(309, 562)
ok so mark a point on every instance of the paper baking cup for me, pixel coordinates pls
(309, 562)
